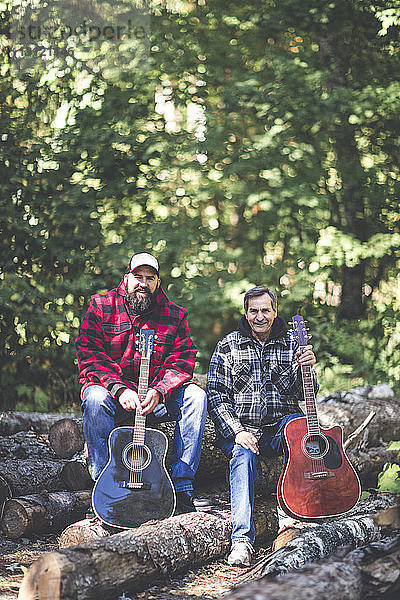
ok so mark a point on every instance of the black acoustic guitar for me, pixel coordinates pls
(134, 486)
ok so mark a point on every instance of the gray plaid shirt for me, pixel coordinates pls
(250, 386)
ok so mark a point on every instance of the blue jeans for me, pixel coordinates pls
(101, 413)
(243, 475)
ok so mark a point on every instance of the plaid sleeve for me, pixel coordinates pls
(219, 394)
(288, 378)
(178, 366)
(95, 365)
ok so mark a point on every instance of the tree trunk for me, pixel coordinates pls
(43, 512)
(66, 437)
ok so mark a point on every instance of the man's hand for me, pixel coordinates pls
(129, 400)
(305, 356)
(247, 440)
(151, 401)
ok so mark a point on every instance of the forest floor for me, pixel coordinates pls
(207, 582)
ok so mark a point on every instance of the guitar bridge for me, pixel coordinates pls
(137, 485)
(319, 475)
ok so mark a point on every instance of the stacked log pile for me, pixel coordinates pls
(48, 457)
(35, 484)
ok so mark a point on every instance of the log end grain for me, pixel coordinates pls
(66, 438)
(43, 580)
(20, 517)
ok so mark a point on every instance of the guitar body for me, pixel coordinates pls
(318, 480)
(134, 486)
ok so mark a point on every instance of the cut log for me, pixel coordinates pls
(31, 476)
(82, 532)
(66, 437)
(88, 530)
(127, 561)
(75, 475)
(25, 444)
(36, 513)
(359, 575)
(314, 542)
(350, 408)
(12, 422)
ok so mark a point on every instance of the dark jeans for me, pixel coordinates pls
(243, 475)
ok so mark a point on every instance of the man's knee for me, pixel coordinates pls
(96, 398)
(243, 455)
(197, 397)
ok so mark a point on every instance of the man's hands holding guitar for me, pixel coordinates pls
(129, 400)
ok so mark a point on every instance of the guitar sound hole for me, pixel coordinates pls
(136, 457)
(315, 446)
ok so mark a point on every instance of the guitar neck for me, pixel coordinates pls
(309, 397)
(140, 420)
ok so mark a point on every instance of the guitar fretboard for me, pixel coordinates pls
(140, 420)
(309, 397)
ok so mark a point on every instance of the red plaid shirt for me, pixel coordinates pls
(107, 344)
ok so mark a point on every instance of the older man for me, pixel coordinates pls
(253, 389)
(109, 362)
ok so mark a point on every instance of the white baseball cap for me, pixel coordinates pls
(143, 259)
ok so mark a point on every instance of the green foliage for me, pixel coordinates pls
(389, 479)
(259, 144)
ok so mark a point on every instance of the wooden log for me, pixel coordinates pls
(23, 516)
(25, 444)
(369, 463)
(82, 532)
(358, 575)
(66, 437)
(359, 526)
(31, 476)
(129, 560)
(88, 530)
(75, 475)
(12, 422)
(350, 408)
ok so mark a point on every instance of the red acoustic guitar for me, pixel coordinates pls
(318, 480)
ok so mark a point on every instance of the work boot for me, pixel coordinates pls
(184, 502)
(240, 554)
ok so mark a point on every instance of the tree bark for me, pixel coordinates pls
(88, 530)
(25, 444)
(12, 422)
(36, 513)
(127, 561)
(357, 576)
(31, 476)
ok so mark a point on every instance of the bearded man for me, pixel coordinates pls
(109, 363)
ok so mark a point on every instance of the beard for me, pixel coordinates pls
(141, 303)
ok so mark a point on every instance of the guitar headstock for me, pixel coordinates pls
(146, 341)
(299, 330)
